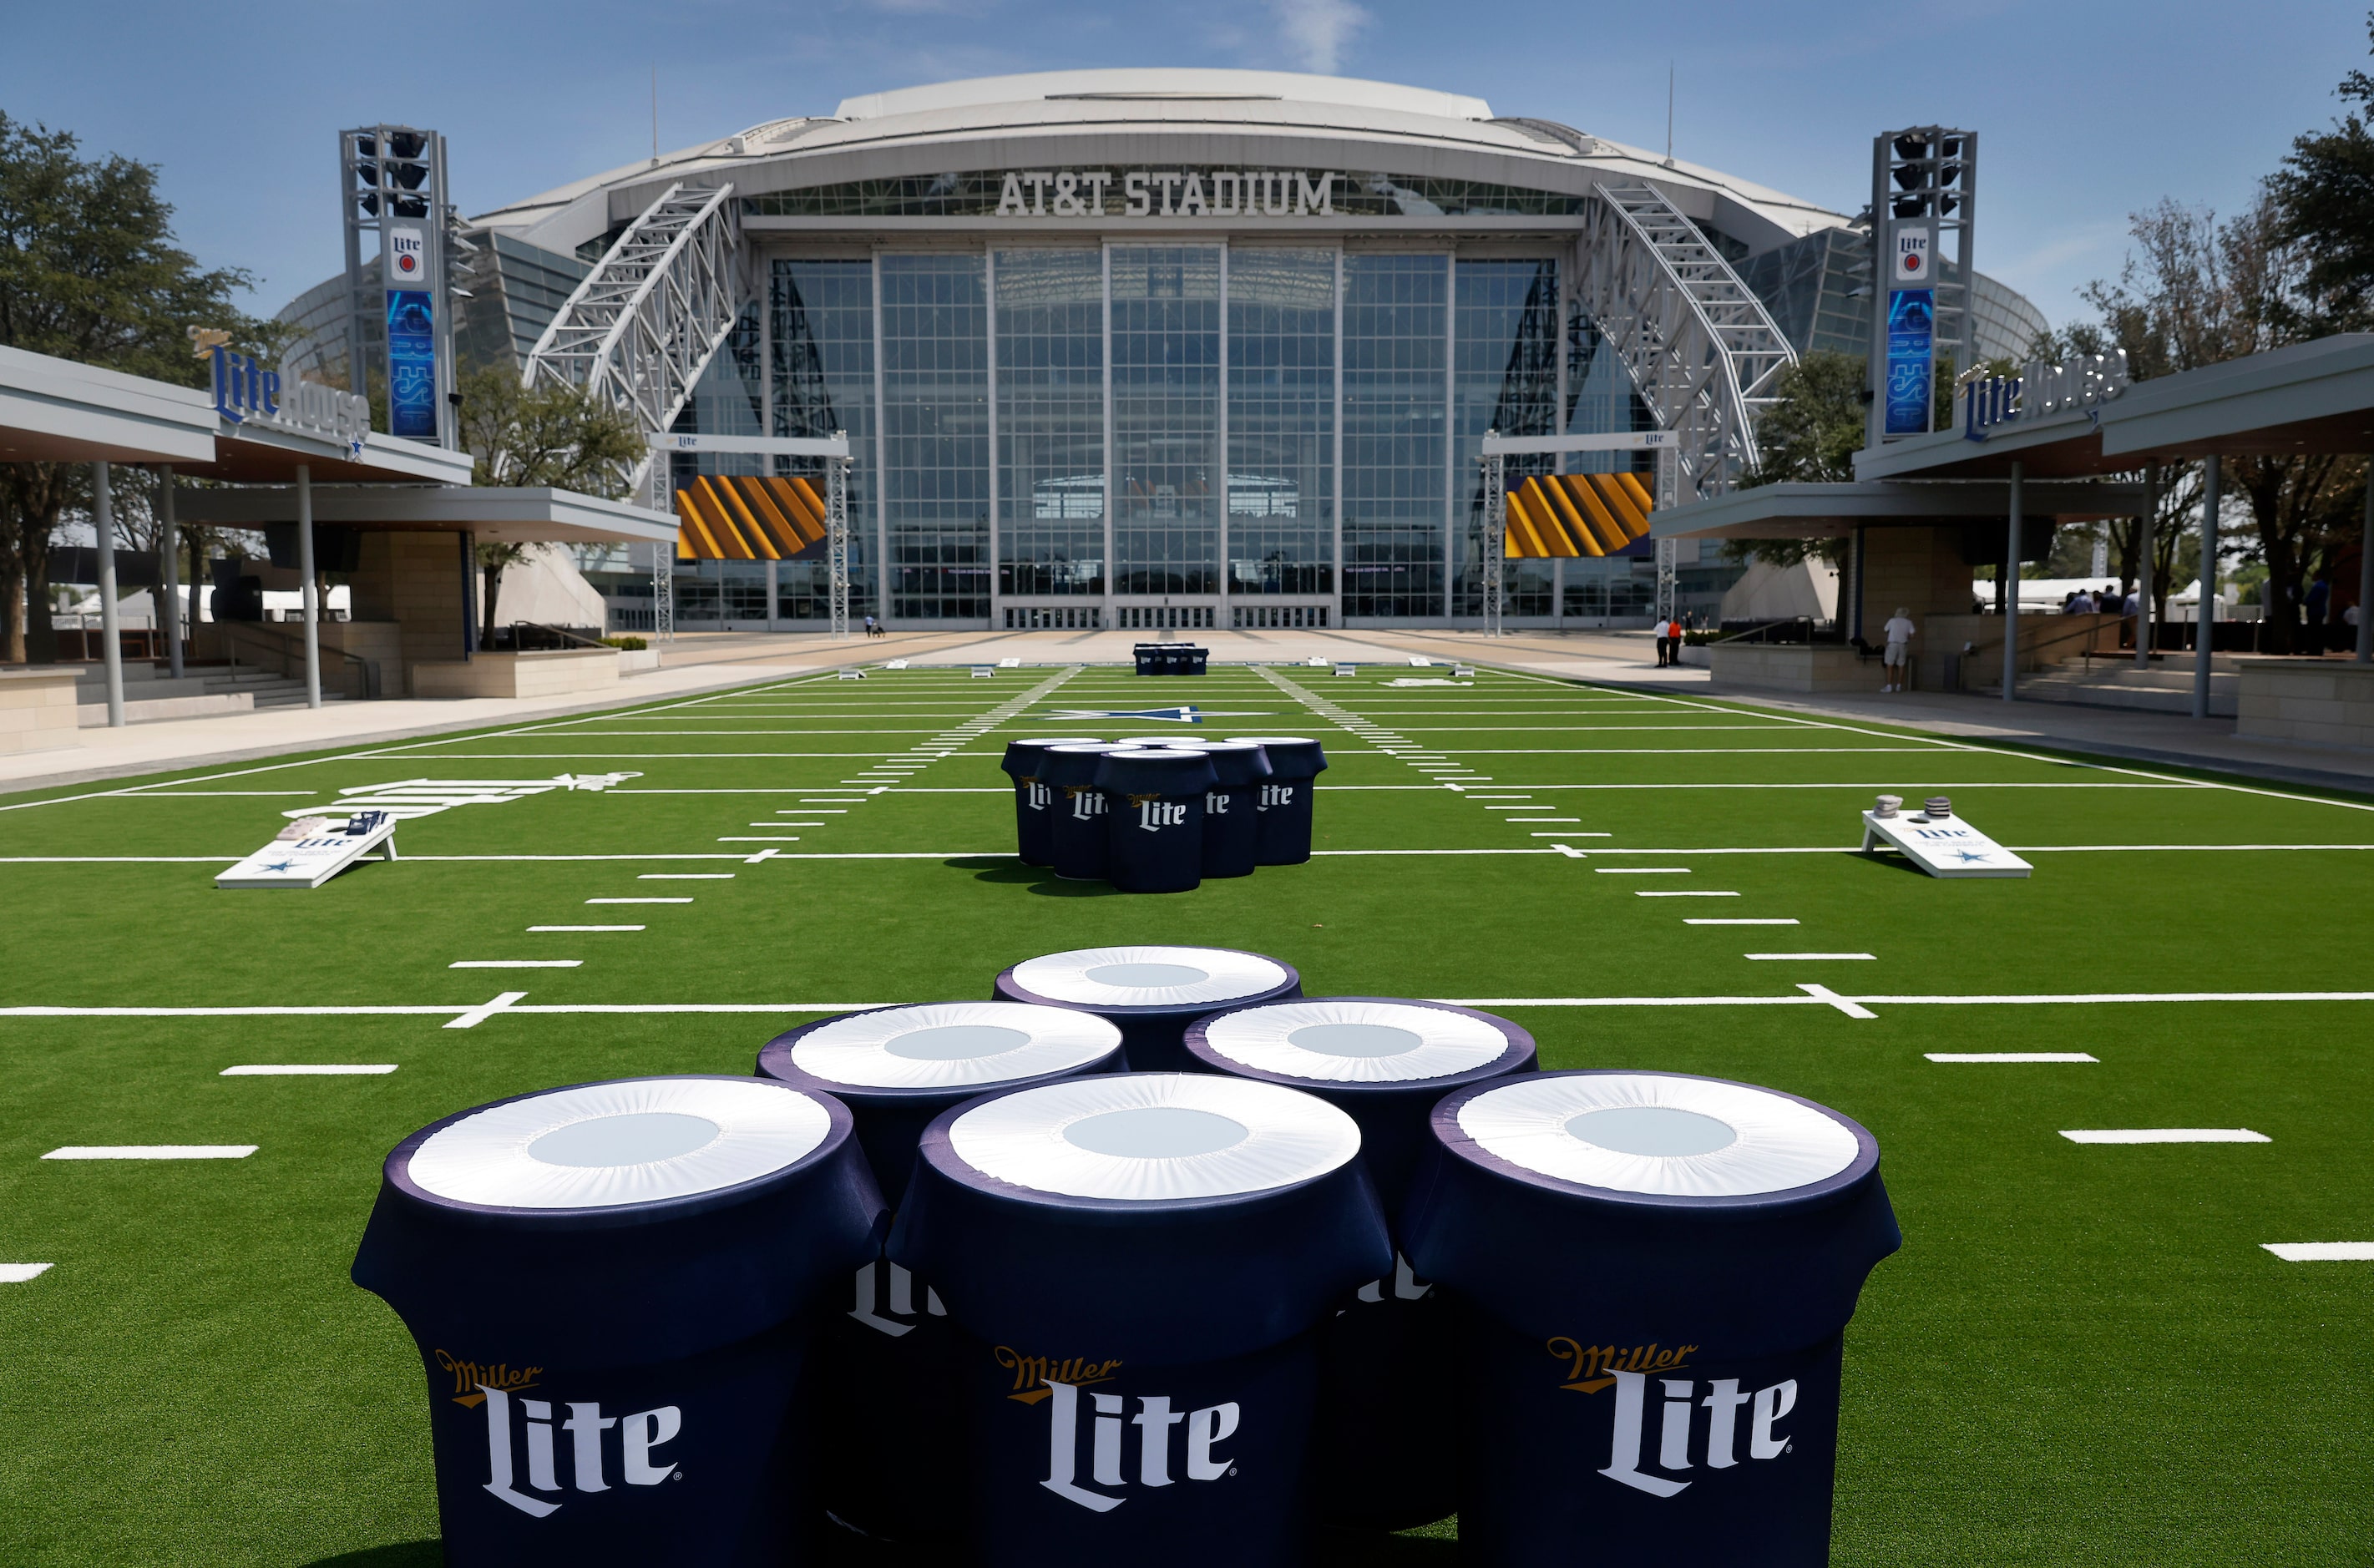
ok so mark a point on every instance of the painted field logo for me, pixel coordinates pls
(639, 1435)
(1591, 1368)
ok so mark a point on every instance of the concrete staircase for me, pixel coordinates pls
(150, 694)
(2164, 687)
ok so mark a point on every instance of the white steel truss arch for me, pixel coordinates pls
(1698, 344)
(646, 322)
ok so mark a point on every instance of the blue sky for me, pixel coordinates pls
(2087, 109)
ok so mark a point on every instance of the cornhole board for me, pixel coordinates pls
(1946, 847)
(310, 862)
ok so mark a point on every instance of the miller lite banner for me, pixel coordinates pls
(1136, 1262)
(1912, 331)
(1152, 992)
(411, 332)
(613, 1287)
(1655, 1273)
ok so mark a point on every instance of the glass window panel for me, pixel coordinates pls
(824, 381)
(936, 435)
(1050, 416)
(1506, 379)
(1281, 421)
(1166, 391)
(1395, 312)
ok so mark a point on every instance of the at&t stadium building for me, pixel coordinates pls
(1190, 348)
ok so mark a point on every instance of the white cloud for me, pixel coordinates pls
(1318, 30)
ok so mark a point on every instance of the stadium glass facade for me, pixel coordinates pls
(1166, 349)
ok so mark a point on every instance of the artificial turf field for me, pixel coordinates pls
(2082, 1355)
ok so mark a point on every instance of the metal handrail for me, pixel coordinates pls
(563, 632)
(280, 649)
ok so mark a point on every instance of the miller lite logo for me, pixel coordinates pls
(883, 1316)
(1215, 802)
(1680, 1433)
(1037, 796)
(1155, 813)
(1912, 265)
(407, 258)
(1088, 801)
(528, 1446)
(1162, 1436)
(1275, 795)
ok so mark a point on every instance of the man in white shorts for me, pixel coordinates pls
(1896, 661)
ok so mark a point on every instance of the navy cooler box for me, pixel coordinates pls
(1078, 844)
(1137, 1263)
(892, 1371)
(1154, 804)
(1654, 1274)
(1383, 1459)
(613, 1288)
(1034, 798)
(1152, 992)
(1285, 798)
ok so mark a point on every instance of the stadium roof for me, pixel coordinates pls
(1261, 118)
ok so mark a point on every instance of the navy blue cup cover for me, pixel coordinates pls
(1743, 1218)
(1162, 1218)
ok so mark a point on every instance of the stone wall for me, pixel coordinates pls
(2322, 702)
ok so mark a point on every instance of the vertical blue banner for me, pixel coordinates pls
(1911, 320)
(412, 365)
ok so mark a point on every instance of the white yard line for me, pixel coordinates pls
(517, 964)
(1808, 957)
(2289, 1251)
(588, 928)
(153, 1152)
(1708, 922)
(310, 1070)
(2166, 1135)
(2009, 1056)
(1662, 893)
(21, 1273)
(638, 901)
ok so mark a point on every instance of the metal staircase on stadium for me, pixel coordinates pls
(1699, 345)
(655, 311)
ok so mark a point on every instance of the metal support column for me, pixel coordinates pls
(1668, 550)
(469, 543)
(102, 523)
(2147, 630)
(2213, 474)
(168, 545)
(2366, 575)
(1854, 613)
(312, 597)
(836, 524)
(2010, 581)
(1496, 535)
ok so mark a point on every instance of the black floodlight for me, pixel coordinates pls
(1911, 146)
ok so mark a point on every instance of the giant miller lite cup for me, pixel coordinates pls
(1076, 840)
(892, 1352)
(1383, 1457)
(1152, 992)
(1654, 1274)
(1295, 765)
(1154, 804)
(1232, 806)
(612, 1287)
(1137, 1263)
(1034, 798)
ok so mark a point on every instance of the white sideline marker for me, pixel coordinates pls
(638, 901)
(19, 1273)
(2289, 1251)
(588, 928)
(153, 1152)
(516, 964)
(1661, 893)
(307, 1070)
(1808, 957)
(2009, 1056)
(1715, 922)
(1633, 871)
(684, 876)
(2166, 1135)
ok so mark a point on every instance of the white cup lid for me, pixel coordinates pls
(1150, 977)
(1658, 1134)
(953, 1045)
(606, 1146)
(1355, 1042)
(1155, 1136)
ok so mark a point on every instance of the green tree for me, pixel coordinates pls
(2325, 205)
(88, 272)
(1808, 435)
(553, 435)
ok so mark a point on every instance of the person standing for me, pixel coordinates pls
(1895, 661)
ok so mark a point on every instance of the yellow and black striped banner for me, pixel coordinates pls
(1576, 514)
(739, 517)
